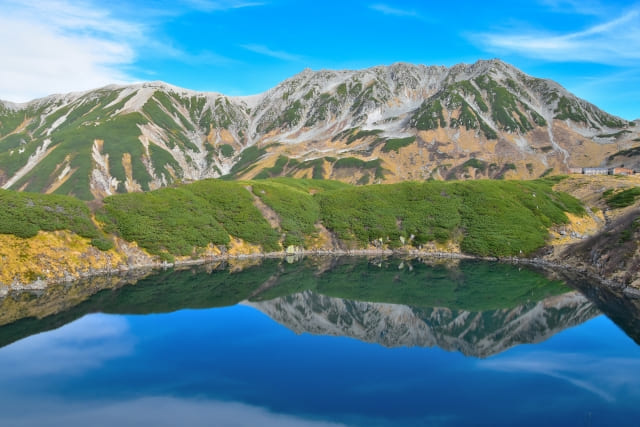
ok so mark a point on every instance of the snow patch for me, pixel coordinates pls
(97, 156)
(101, 180)
(103, 183)
(64, 173)
(40, 153)
(57, 123)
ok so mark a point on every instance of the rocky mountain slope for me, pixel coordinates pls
(479, 334)
(386, 123)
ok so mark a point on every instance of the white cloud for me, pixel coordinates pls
(614, 42)
(278, 54)
(213, 5)
(60, 46)
(74, 17)
(57, 46)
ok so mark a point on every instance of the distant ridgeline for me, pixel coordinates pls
(494, 218)
(379, 125)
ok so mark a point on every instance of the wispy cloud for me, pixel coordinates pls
(75, 17)
(395, 11)
(60, 46)
(213, 5)
(266, 51)
(613, 41)
(582, 7)
(168, 49)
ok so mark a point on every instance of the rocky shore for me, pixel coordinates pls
(567, 266)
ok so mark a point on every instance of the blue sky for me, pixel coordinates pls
(242, 47)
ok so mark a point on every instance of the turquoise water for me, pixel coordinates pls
(541, 353)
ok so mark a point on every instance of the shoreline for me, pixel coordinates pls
(124, 270)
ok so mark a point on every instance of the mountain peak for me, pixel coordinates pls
(381, 124)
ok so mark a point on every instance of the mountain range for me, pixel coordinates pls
(382, 124)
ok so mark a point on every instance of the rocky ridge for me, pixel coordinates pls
(383, 124)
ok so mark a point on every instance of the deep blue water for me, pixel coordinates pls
(236, 366)
(217, 366)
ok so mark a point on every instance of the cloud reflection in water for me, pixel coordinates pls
(74, 348)
(158, 412)
(606, 377)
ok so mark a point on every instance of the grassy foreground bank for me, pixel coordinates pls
(497, 218)
(488, 218)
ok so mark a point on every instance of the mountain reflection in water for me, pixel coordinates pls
(479, 334)
(477, 308)
(324, 341)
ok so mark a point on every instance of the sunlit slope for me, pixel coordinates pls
(382, 124)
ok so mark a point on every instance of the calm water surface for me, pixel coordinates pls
(319, 342)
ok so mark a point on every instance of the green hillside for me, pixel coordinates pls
(488, 218)
(25, 214)
(496, 218)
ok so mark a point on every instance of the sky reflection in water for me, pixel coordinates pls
(236, 366)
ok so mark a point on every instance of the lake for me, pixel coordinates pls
(318, 342)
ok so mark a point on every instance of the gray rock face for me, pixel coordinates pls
(149, 135)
